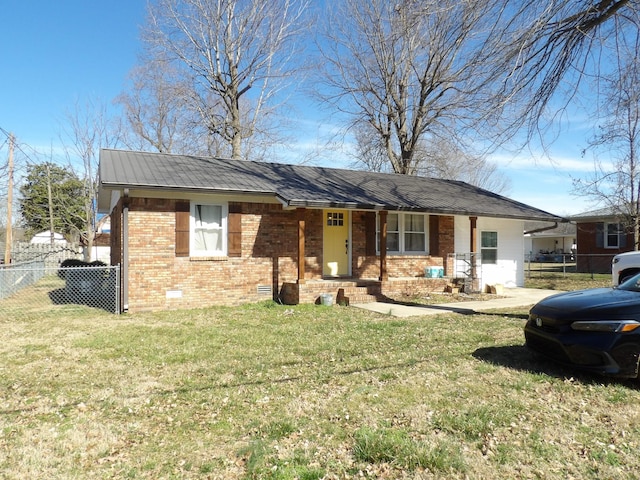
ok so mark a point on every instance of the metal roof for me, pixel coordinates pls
(305, 186)
(609, 212)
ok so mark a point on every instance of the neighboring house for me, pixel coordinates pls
(544, 243)
(45, 237)
(101, 250)
(600, 235)
(194, 232)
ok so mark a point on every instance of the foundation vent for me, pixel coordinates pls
(264, 290)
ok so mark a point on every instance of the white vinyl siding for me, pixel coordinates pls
(509, 267)
(489, 247)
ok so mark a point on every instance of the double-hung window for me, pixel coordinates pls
(208, 229)
(612, 234)
(406, 233)
(393, 233)
(414, 233)
(489, 247)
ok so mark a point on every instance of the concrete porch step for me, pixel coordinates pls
(361, 298)
(365, 294)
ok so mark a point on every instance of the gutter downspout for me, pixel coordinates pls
(125, 251)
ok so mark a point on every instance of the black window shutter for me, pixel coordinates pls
(370, 233)
(600, 235)
(183, 213)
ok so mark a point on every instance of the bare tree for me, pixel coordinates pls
(232, 58)
(88, 128)
(445, 159)
(154, 110)
(615, 181)
(438, 158)
(543, 51)
(408, 70)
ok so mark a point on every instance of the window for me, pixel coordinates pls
(489, 247)
(335, 219)
(414, 233)
(393, 233)
(406, 233)
(613, 231)
(208, 230)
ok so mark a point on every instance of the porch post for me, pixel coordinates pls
(384, 276)
(473, 240)
(301, 235)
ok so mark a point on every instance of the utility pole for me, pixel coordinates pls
(9, 232)
(50, 197)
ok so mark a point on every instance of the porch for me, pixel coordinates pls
(345, 291)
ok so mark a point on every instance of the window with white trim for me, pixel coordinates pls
(613, 232)
(489, 247)
(208, 229)
(406, 233)
(414, 233)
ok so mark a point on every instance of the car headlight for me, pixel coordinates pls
(617, 326)
(615, 260)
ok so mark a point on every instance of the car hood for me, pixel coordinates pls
(591, 303)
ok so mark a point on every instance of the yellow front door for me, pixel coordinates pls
(336, 243)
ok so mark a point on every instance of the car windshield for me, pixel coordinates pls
(632, 284)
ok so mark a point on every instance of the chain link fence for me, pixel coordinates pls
(563, 264)
(32, 287)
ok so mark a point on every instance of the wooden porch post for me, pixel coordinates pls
(473, 240)
(384, 276)
(301, 235)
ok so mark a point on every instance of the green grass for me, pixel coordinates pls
(306, 392)
(568, 282)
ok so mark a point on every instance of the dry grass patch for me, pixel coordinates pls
(308, 392)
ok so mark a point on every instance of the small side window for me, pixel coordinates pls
(489, 248)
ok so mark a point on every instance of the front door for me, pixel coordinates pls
(336, 243)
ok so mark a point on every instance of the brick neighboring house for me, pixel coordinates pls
(194, 232)
(600, 235)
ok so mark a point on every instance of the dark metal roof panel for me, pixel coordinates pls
(305, 186)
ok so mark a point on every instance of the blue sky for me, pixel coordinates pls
(54, 54)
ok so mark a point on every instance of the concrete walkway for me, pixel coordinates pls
(513, 297)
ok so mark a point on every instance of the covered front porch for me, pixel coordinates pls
(368, 273)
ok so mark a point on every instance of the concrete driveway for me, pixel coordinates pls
(513, 297)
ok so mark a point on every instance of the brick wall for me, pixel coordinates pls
(592, 258)
(441, 243)
(158, 279)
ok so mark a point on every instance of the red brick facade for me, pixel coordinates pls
(593, 256)
(157, 278)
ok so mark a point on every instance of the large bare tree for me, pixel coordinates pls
(425, 71)
(542, 53)
(232, 58)
(154, 110)
(439, 159)
(408, 70)
(88, 128)
(615, 180)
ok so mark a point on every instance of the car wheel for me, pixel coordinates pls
(627, 357)
(626, 276)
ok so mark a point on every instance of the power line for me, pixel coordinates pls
(17, 146)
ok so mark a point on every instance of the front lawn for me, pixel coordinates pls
(306, 392)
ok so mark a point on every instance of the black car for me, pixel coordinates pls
(596, 330)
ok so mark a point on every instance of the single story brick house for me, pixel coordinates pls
(601, 234)
(190, 231)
